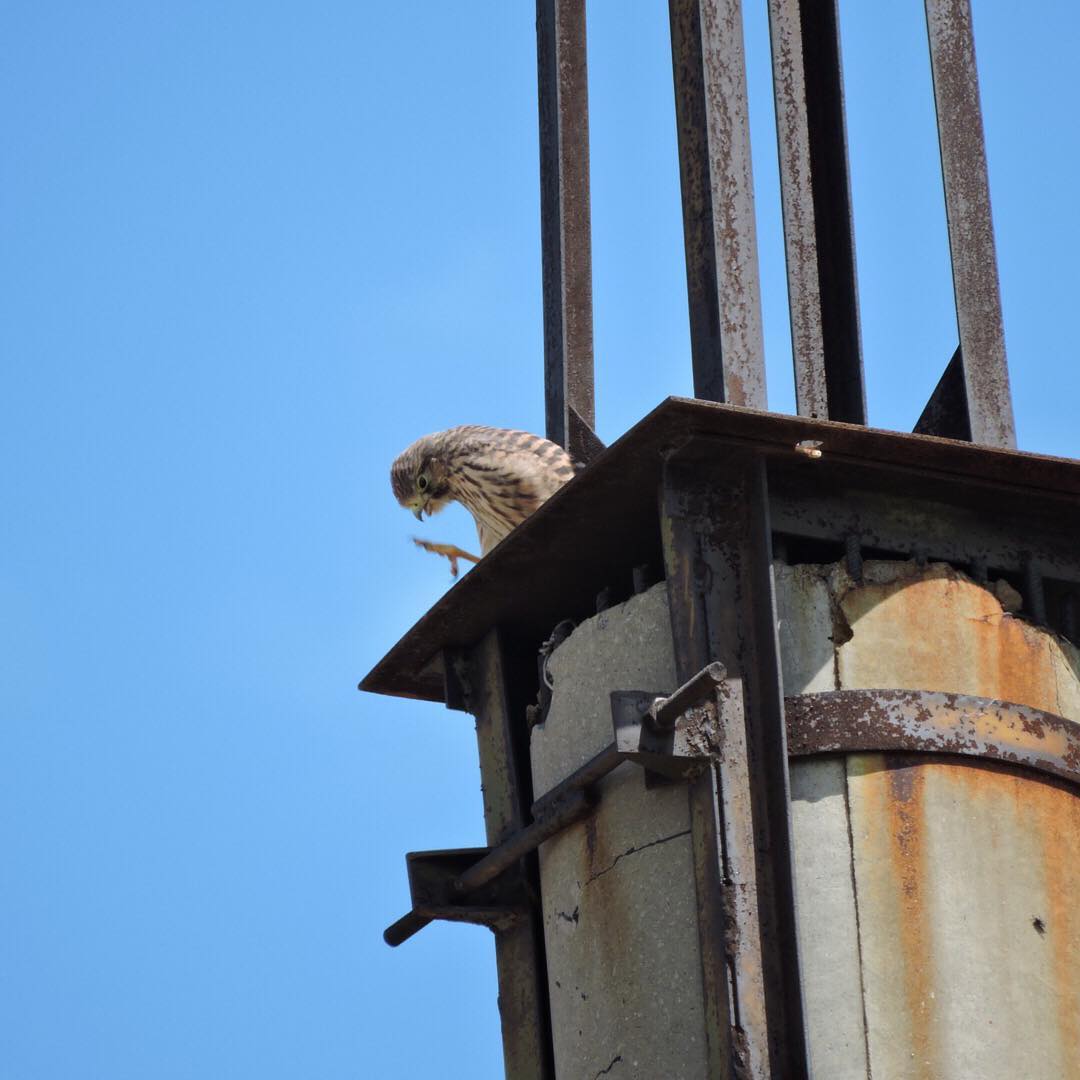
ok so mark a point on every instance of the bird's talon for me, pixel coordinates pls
(448, 551)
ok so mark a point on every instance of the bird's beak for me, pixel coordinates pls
(418, 513)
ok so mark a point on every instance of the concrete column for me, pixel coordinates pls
(938, 923)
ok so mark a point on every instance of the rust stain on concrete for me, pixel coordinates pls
(903, 789)
(933, 628)
(1056, 815)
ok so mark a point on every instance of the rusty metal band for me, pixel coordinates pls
(931, 722)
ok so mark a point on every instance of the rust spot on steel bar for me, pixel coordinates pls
(926, 721)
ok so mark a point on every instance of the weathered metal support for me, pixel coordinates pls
(495, 686)
(853, 559)
(816, 194)
(503, 904)
(923, 721)
(1034, 596)
(565, 226)
(647, 732)
(971, 230)
(723, 288)
(716, 537)
(1068, 615)
(946, 413)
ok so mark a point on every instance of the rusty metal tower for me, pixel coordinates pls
(781, 753)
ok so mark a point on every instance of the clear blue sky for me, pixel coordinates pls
(248, 252)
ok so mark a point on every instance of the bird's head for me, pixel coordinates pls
(419, 477)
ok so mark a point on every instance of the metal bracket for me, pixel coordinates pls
(675, 736)
(497, 904)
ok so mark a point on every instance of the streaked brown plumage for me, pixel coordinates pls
(499, 476)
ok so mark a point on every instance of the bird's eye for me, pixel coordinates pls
(421, 482)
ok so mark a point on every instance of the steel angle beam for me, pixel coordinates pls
(495, 683)
(816, 195)
(716, 537)
(565, 226)
(971, 231)
(501, 904)
(946, 413)
(723, 288)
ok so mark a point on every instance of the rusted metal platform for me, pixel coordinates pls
(973, 505)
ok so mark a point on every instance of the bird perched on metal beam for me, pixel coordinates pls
(499, 476)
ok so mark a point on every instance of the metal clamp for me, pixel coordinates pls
(675, 736)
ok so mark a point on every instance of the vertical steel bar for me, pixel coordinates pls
(565, 224)
(971, 228)
(1034, 596)
(715, 528)
(723, 288)
(1068, 615)
(519, 952)
(816, 196)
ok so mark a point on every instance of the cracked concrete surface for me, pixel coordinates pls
(614, 1061)
(634, 851)
(618, 889)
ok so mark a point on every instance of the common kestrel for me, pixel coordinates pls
(499, 476)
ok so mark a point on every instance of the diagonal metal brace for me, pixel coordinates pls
(675, 736)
